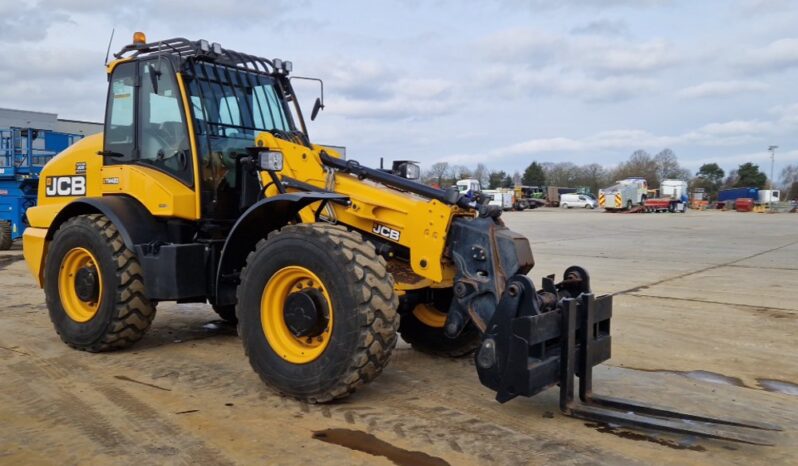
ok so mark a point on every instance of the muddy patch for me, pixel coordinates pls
(704, 376)
(367, 443)
(688, 443)
(769, 385)
(713, 377)
(778, 386)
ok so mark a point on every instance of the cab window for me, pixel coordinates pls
(119, 132)
(162, 136)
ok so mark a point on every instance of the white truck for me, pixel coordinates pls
(766, 196)
(673, 189)
(469, 187)
(504, 199)
(624, 194)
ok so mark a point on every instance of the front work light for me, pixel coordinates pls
(406, 169)
(270, 160)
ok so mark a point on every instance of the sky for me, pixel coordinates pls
(501, 82)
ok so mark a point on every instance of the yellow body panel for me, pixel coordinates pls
(421, 223)
(35, 247)
(161, 194)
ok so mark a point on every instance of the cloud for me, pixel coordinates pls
(25, 21)
(598, 55)
(521, 45)
(538, 5)
(778, 55)
(737, 128)
(572, 84)
(602, 27)
(32, 19)
(764, 7)
(613, 56)
(721, 88)
(370, 89)
(720, 134)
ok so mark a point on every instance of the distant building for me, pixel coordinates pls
(13, 118)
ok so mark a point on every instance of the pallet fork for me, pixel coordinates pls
(525, 351)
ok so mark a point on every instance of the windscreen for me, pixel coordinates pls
(234, 103)
(230, 107)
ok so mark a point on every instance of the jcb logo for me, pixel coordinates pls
(65, 186)
(389, 233)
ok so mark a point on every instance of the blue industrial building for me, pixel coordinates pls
(28, 140)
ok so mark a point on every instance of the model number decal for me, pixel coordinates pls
(65, 186)
(389, 233)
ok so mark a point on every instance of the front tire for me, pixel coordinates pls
(94, 287)
(340, 287)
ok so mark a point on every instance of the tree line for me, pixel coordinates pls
(654, 168)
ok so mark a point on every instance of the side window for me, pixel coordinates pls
(163, 137)
(268, 109)
(119, 131)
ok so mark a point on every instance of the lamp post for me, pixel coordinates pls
(772, 150)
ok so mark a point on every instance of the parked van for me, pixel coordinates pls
(577, 200)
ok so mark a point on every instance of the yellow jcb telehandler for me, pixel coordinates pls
(205, 187)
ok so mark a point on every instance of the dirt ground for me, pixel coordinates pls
(706, 320)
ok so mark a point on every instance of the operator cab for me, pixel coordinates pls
(191, 109)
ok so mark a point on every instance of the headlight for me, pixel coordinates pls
(406, 169)
(270, 161)
(413, 171)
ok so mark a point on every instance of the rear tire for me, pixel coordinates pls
(432, 340)
(358, 332)
(5, 236)
(227, 313)
(122, 314)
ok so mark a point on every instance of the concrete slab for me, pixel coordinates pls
(185, 393)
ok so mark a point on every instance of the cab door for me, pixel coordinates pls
(147, 151)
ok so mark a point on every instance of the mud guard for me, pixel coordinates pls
(255, 224)
(135, 223)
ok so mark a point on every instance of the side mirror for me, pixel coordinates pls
(316, 107)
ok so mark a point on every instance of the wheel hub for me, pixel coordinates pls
(305, 313)
(87, 284)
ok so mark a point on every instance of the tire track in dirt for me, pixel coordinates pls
(56, 409)
(163, 437)
(151, 433)
(449, 429)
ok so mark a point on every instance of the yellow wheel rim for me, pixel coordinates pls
(297, 350)
(429, 316)
(76, 308)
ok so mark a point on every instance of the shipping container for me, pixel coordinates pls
(731, 194)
